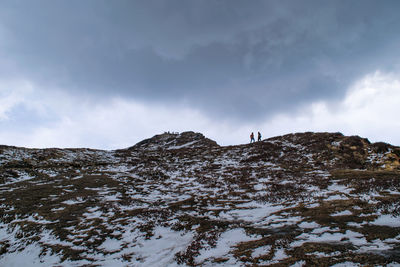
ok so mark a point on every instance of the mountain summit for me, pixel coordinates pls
(175, 141)
(304, 199)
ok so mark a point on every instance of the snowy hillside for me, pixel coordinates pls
(320, 199)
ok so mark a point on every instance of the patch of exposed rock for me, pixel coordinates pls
(167, 141)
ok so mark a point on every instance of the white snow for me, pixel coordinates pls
(387, 220)
(279, 255)
(73, 201)
(393, 192)
(58, 209)
(22, 176)
(353, 237)
(184, 145)
(336, 143)
(111, 245)
(342, 213)
(279, 221)
(339, 188)
(346, 264)
(160, 250)
(354, 224)
(375, 245)
(309, 225)
(298, 264)
(114, 197)
(264, 250)
(258, 213)
(259, 186)
(323, 230)
(93, 214)
(29, 256)
(336, 197)
(225, 244)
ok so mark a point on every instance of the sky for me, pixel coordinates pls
(108, 74)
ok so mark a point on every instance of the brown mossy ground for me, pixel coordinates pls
(293, 171)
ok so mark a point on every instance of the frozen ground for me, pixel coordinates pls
(180, 199)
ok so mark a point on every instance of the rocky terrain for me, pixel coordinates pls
(306, 199)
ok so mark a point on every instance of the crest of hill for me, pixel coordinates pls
(345, 151)
(319, 199)
(352, 152)
(170, 141)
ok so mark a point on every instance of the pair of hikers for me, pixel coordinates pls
(252, 137)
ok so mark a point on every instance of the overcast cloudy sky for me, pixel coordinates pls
(107, 74)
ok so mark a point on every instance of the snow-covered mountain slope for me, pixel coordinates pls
(320, 199)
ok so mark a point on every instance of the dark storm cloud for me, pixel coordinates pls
(231, 58)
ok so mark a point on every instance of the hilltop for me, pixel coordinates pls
(319, 199)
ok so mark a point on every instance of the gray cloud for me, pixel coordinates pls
(228, 58)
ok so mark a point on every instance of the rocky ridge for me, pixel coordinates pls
(320, 199)
(175, 141)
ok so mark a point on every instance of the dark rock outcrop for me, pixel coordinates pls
(167, 141)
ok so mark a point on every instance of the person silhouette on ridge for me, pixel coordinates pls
(259, 136)
(252, 138)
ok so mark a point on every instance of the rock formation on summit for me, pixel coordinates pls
(175, 141)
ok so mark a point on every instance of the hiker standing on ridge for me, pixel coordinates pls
(252, 138)
(259, 137)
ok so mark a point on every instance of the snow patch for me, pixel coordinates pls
(342, 213)
(387, 220)
(224, 245)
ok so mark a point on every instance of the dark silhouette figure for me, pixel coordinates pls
(252, 138)
(259, 136)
